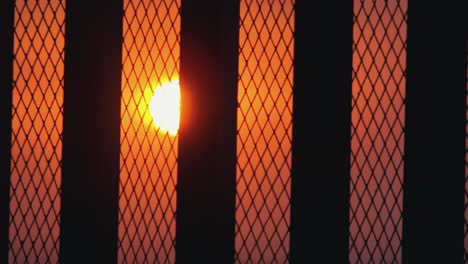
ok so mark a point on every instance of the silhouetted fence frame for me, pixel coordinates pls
(321, 136)
(434, 158)
(7, 9)
(434, 134)
(206, 185)
(91, 132)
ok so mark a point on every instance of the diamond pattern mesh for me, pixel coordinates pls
(379, 61)
(148, 154)
(264, 131)
(37, 129)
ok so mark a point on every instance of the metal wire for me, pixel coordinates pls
(148, 155)
(264, 131)
(379, 61)
(37, 131)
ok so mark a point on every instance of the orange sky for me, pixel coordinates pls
(379, 62)
(37, 127)
(149, 157)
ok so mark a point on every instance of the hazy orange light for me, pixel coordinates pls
(165, 107)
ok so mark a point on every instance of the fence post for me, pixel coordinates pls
(434, 158)
(206, 185)
(321, 132)
(7, 8)
(91, 141)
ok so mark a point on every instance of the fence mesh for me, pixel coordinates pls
(37, 131)
(264, 131)
(379, 61)
(148, 152)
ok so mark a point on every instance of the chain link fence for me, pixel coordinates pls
(148, 153)
(148, 159)
(264, 131)
(37, 131)
(379, 63)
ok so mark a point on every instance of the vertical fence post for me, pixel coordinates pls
(7, 8)
(321, 132)
(91, 142)
(433, 196)
(206, 185)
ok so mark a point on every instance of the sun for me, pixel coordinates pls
(165, 107)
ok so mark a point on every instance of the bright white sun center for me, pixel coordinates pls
(165, 107)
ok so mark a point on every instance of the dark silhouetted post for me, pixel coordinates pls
(434, 177)
(321, 132)
(91, 143)
(6, 86)
(206, 186)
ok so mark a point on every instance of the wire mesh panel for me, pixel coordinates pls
(36, 131)
(148, 144)
(379, 61)
(264, 131)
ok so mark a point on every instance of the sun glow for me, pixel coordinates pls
(165, 107)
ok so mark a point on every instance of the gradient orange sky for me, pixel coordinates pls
(148, 158)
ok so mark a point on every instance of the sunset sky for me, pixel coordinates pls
(149, 148)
